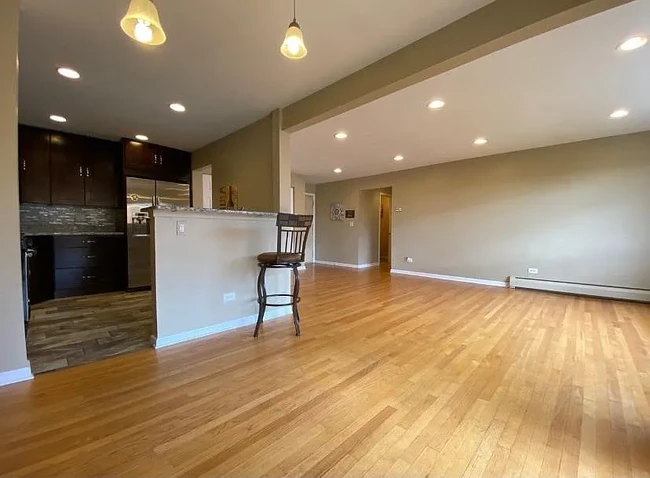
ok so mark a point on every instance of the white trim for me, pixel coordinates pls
(313, 228)
(15, 376)
(349, 266)
(609, 292)
(468, 280)
(160, 342)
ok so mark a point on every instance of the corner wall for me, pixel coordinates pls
(578, 212)
(13, 354)
(245, 159)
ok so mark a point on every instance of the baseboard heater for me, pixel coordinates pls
(608, 292)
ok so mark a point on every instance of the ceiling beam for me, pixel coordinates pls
(494, 27)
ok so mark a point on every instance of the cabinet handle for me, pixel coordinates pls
(81, 171)
(24, 163)
(161, 158)
(155, 159)
(90, 257)
(89, 241)
(88, 277)
(87, 171)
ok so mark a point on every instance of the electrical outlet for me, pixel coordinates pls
(180, 228)
(399, 209)
(533, 270)
(409, 260)
(229, 297)
(351, 223)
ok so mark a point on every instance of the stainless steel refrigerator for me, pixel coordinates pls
(141, 194)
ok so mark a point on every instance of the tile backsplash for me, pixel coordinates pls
(37, 218)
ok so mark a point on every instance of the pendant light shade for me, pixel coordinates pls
(293, 46)
(142, 23)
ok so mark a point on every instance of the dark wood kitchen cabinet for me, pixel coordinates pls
(102, 175)
(34, 165)
(152, 161)
(69, 169)
(67, 162)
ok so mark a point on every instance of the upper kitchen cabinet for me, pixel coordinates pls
(151, 161)
(34, 164)
(67, 152)
(102, 173)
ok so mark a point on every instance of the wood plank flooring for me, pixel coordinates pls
(81, 330)
(393, 376)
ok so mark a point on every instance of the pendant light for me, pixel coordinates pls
(293, 46)
(142, 23)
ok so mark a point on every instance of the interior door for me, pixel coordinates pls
(310, 208)
(385, 228)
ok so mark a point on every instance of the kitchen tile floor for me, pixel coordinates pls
(80, 330)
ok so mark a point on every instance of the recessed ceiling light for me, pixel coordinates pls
(68, 73)
(633, 43)
(338, 170)
(399, 157)
(58, 119)
(436, 104)
(179, 108)
(341, 135)
(619, 114)
(142, 137)
(480, 141)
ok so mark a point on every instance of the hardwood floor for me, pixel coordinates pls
(393, 376)
(81, 330)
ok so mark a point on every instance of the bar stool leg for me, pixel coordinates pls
(261, 299)
(296, 297)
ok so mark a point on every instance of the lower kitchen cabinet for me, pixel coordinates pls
(88, 265)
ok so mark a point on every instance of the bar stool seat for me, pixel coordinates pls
(275, 258)
(290, 253)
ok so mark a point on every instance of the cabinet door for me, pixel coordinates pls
(102, 173)
(66, 155)
(175, 165)
(140, 158)
(34, 165)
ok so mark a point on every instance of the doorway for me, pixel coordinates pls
(310, 208)
(385, 219)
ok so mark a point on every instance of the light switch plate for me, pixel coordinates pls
(533, 270)
(229, 297)
(180, 228)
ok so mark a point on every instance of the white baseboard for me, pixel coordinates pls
(272, 313)
(15, 376)
(349, 266)
(468, 280)
(607, 292)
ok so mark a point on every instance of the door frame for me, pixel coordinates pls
(390, 231)
(313, 227)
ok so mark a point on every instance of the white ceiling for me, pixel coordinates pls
(221, 60)
(556, 88)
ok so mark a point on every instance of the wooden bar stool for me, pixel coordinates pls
(290, 253)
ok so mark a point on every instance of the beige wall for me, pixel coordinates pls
(13, 355)
(216, 256)
(298, 184)
(578, 212)
(244, 158)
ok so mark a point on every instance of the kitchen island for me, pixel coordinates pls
(204, 271)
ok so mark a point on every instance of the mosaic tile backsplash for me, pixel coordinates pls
(39, 219)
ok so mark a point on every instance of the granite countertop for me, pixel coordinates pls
(73, 233)
(215, 212)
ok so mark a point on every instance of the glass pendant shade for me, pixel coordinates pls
(294, 46)
(142, 23)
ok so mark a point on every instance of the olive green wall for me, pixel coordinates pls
(578, 212)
